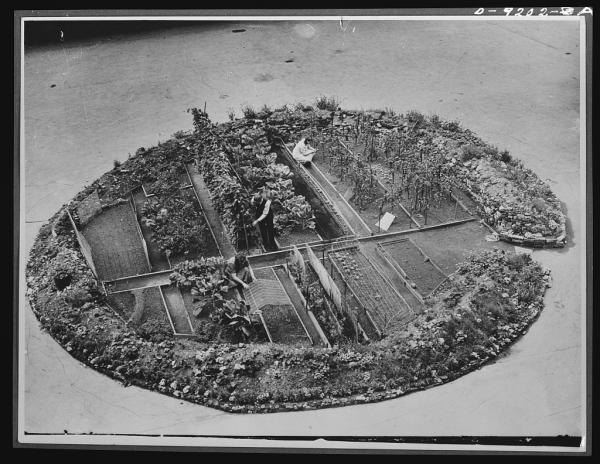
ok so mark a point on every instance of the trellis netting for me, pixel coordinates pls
(330, 287)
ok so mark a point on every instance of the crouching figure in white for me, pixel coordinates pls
(303, 152)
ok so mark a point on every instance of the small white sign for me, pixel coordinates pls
(386, 221)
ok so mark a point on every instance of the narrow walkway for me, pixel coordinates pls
(176, 308)
(213, 218)
(140, 281)
(346, 211)
(298, 302)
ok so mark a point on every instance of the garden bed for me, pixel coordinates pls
(178, 225)
(386, 307)
(414, 265)
(372, 211)
(337, 329)
(284, 326)
(328, 224)
(489, 301)
(143, 310)
(117, 247)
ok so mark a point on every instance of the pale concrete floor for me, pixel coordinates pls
(513, 83)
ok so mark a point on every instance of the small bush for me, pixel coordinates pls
(471, 151)
(327, 103)
(492, 152)
(116, 164)
(416, 118)
(231, 114)
(517, 262)
(452, 126)
(389, 112)
(435, 120)
(302, 107)
(505, 156)
(249, 112)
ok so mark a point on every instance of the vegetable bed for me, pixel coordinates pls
(144, 311)
(369, 212)
(178, 226)
(385, 306)
(415, 265)
(283, 325)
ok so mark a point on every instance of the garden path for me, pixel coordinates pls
(155, 279)
(348, 213)
(176, 308)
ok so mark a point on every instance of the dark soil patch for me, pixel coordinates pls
(123, 303)
(423, 273)
(284, 325)
(154, 317)
(143, 310)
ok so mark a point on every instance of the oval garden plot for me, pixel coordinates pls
(394, 269)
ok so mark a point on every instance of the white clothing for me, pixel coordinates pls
(303, 153)
(265, 210)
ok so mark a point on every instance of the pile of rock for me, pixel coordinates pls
(529, 214)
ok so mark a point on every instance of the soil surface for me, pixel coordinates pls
(511, 82)
(417, 266)
(283, 325)
(117, 248)
(385, 306)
